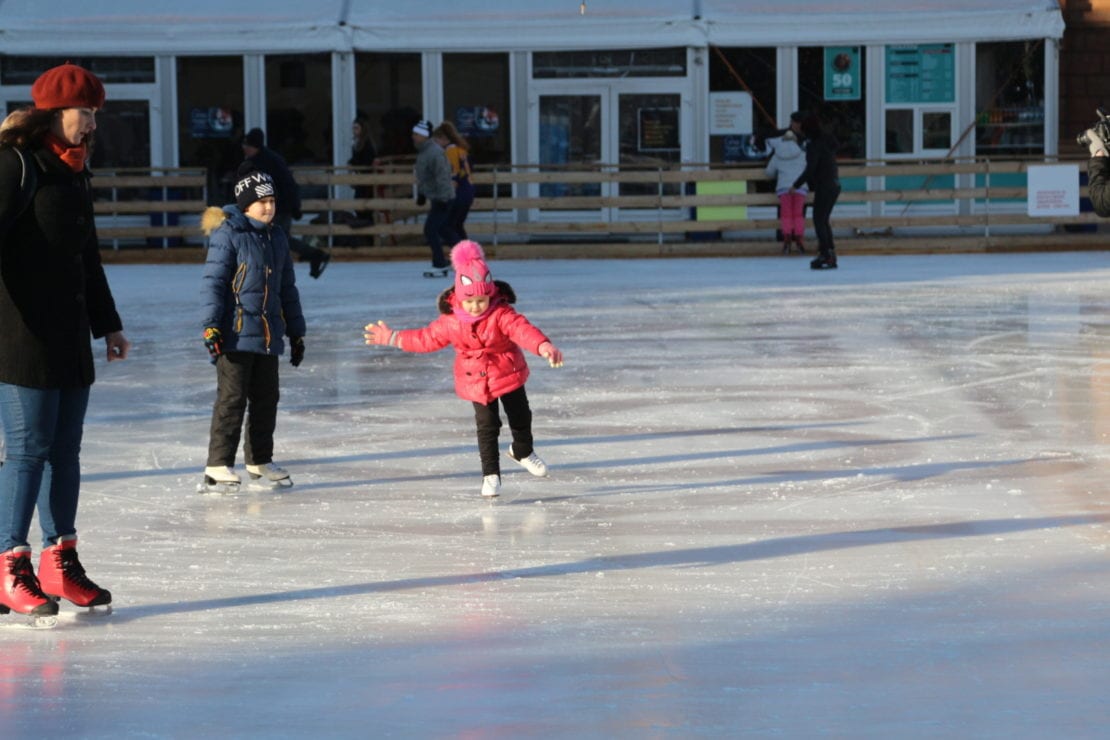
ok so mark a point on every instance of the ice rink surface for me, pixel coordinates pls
(862, 503)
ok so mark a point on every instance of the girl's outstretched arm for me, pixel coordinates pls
(380, 333)
(552, 353)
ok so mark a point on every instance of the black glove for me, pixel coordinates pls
(296, 350)
(297, 215)
(214, 341)
(421, 199)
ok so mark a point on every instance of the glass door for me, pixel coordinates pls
(639, 125)
(572, 135)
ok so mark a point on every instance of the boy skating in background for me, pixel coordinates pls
(478, 319)
(251, 302)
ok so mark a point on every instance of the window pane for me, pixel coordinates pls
(845, 119)
(476, 100)
(570, 134)
(752, 70)
(298, 108)
(122, 137)
(1009, 98)
(210, 120)
(609, 63)
(389, 91)
(650, 135)
(25, 70)
(899, 131)
(936, 130)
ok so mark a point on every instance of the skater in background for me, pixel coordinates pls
(288, 194)
(53, 296)
(363, 154)
(477, 317)
(823, 177)
(457, 150)
(251, 303)
(433, 186)
(787, 163)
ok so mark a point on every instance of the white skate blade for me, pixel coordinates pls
(217, 488)
(260, 483)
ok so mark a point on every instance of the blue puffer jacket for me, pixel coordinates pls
(249, 291)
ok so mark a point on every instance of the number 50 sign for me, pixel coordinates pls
(842, 73)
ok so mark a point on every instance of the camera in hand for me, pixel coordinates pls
(1101, 127)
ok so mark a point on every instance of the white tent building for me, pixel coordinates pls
(535, 81)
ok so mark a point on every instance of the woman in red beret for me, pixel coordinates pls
(53, 297)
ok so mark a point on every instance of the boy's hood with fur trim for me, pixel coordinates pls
(215, 216)
(505, 294)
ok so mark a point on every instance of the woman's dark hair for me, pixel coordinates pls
(364, 124)
(26, 127)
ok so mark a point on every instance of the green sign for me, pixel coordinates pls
(922, 73)
(842, 73)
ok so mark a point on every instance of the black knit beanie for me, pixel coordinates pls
(252, 185)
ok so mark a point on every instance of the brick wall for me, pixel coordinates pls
(1084, 67)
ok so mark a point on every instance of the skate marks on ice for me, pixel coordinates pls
(775, 548)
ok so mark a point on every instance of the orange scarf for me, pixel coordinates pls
(74, 156)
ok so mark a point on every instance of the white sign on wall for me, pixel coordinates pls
(1053, 190)
(730, 113)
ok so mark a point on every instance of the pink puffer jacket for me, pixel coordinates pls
(488, 359)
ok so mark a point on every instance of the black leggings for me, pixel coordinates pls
(823, 201)
(488, 419)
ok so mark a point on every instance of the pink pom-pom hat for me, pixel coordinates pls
(472, 276)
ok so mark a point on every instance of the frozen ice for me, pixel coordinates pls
(861, 503)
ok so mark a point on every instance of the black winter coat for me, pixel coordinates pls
(53, 292)
(286, 191)
(1098, 184)
(822, 172)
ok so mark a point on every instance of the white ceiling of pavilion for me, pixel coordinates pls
(245, 26)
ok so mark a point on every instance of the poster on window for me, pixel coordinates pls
(210, 123)
(477, 121)
(842, 73)
(921, 73)
(658, 130)
(730, 113)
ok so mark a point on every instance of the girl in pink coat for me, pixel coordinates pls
(477, 317)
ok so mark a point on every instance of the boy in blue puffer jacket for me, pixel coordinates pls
(251, 303)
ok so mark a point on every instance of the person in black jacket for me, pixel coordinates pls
(823, 177)
(54, 297)
(288, 195)
(1098, 172)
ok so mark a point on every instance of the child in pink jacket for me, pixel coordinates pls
(477, 317)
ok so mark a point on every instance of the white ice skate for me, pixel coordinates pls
(219, 479)
(491, 486)
(533, 464)
(269, 474)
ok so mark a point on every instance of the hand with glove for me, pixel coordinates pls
(380, 333)
(551, 353)
(1095, 143)
(296, 350)
(214, 341)
(421, 199)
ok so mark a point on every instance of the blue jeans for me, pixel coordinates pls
(42, 439)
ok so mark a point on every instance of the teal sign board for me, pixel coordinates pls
(842, 73)
(922, 73)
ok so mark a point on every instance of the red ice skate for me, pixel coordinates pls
(19, 589)
(62, 576)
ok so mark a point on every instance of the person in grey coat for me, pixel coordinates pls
(433, 186)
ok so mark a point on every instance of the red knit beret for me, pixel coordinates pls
(67, 86)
